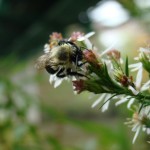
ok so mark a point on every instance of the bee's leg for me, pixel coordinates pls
(61, 73)
(73, 73)
(50, 70)
(81, 64)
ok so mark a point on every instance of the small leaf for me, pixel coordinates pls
(126, 67)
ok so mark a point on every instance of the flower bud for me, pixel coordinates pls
(114, 54)
(75, 36)
(79, 85)
(90, 56)
(123, 79)
(54, 38)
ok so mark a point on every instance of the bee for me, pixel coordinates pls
(65, 59)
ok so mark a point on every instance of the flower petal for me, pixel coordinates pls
(123, 100)
(108, 49)
(131, 101)
(146, 86)
(135, 92)
(88, 35)
(136, 66)
(139, 78)
(57, 82)
(98, 100)
(51, 79)
(106, 105)
(136, 134)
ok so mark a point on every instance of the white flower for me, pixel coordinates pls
(86, 40)
(56, 81)
(136, 129)
(104, 98)
(139, 68)
(110, 67)
(135, 92)
(112, 52)
(108, 49)
(144, 50)
(141, 51)
(53, 79)
(137, 122)
(131, 101)
(145, 86)
(124, 99)
(88, 35)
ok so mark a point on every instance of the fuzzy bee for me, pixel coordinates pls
(65, 59)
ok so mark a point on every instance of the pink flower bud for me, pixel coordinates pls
(75, 36)
(79, 85)
(114, 53)
(90, 56)
(55, 36)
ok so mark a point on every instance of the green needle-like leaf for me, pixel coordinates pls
(126, 67)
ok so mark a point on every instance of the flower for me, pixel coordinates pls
(55, 36)
(105, 98)
(144, 58)
(53, 79)
(137, 67)
(75, 36)
(86, 40)
(145, 86)
(90, 57)
(123, 99)
(78, 85)
(140, 121)
(114, 53)
(122, 78)
(134, 91)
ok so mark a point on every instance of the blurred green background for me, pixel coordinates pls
(34, 115)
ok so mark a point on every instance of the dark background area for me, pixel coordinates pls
(26, 24)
